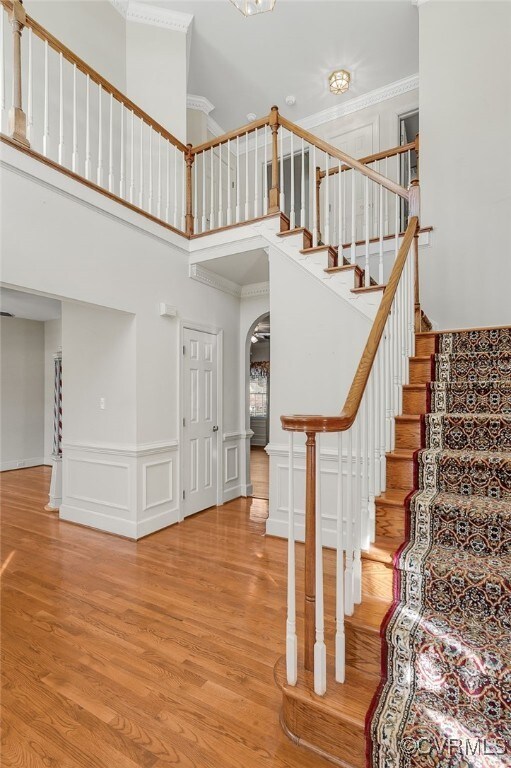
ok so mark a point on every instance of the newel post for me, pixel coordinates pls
(310, 550)
(17, 118)
(190, 157)
(274, 193)
(415, 210)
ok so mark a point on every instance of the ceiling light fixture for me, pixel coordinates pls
(339, 81)
(251, 7)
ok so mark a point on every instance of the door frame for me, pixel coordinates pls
(218, 332)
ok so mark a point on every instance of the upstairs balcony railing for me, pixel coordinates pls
(65, 113)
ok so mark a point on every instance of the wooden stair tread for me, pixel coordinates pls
(348, 701)
(393, 497)
(344, 268)
(421, 358)
(414, 417)
(383, 549)
(369, 289)
(317, 248)
(284, 222)
(415, 387)
(369, 614)
(295, 231)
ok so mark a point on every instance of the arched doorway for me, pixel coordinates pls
(257, 415)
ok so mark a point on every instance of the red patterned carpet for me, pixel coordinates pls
(446, 694)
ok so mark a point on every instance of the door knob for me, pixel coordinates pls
(215, 429)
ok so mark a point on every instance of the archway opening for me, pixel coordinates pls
(258, 404)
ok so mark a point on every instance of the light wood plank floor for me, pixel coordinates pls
(260, 473)
(140, 655)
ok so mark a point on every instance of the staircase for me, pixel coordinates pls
(428, 670)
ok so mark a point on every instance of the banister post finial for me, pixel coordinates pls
(189, 157)
(17, 118)
(274, 192)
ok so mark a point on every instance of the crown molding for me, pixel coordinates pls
(204, 275)
(154, 15)
(389, 91)
(200, 103)
(255, 289)
(207, 277)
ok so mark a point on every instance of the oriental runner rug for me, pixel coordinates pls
(445, 696)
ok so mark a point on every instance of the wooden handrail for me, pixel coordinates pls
(58, 46)
(225, 137)
(317, 423)
(374, 158)
(392, 186)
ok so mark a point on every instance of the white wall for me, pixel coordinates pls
(465, 165)
(95, 31)
(22, 393)
(156, 67)
(52, 343)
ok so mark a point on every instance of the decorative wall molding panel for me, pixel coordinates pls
(135, 487)
(350, 106)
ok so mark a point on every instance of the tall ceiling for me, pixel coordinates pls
(244, 65)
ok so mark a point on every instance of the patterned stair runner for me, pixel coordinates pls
(445, 695)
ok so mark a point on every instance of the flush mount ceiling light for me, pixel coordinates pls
(251, 7)
(339, 81)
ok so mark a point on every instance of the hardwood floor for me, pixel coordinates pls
(260, 473)
(141, 655)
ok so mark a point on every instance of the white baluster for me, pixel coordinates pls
(348, 578)
(340, 642)
(61, 111)
(326, 238)
(319, 645)
(291, 639)
(220, 191)
(247, 209)
(357, 527)
(121, 167)
(150, 199)
(265, 174)
(340, 204)
(158, 198)
(353, 219)
(111, 146)
(132, 159)
(46, 115)
(366, 228)
(396, 226)
(99, 171)
(196, 194)
(387, 193)
(372, 432)
(183, 192)
(315, 222)
(74, 155)
(409, 175)
(256, 178)
(212, 190)
(344, 220)
(229, 184)
(281, 166)
(382, 396)
(175, 186)
(167, 182)
(87, 129)
(141, 166)
(30, 89)
(302, 188)
(238, 192)
(204, 189)
(380, 258)
(364, 506)
(292, 215)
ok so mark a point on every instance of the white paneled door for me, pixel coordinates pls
(200, 425)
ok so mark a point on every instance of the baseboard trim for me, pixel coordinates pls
(232, 493)
(7, 466)
(157, 522)
(99, 521)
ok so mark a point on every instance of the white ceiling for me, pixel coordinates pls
(245, 65)
(29, 306)
(241, 268)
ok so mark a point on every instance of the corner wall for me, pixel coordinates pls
(22, 393)
(465, 164)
